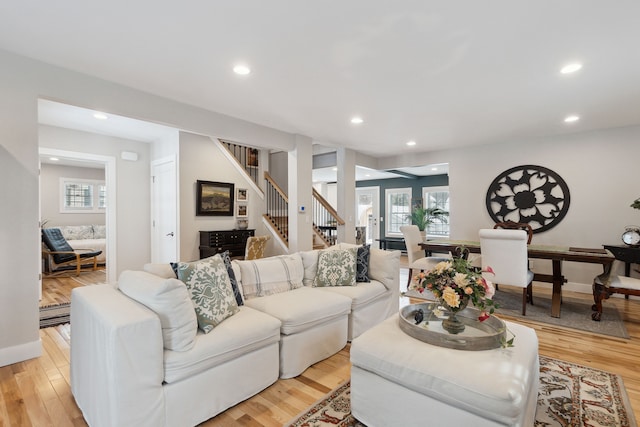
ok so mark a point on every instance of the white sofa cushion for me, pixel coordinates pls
(210, 289)
(336, 267)
(243, 333)
(160, 270)
(362, 294)
(381, 267)
(77, 232)
(170, 300)
(268, 276)
(99, 231)
(310, 265)
(302, 308)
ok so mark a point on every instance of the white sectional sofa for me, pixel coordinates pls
(135, 362)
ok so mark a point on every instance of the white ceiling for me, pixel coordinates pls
(443, 73)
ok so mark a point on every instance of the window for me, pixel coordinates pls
(437, 197)
(398, 207)
(82, 195)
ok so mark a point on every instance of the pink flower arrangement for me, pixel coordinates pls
(455, 283)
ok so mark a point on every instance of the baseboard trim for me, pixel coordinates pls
(20, 353)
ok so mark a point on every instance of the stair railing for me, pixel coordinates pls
(247, 158)
(325, 219)
(277, 207)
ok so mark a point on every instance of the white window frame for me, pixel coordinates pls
(425, 199)
(389, 214)
(95, 196)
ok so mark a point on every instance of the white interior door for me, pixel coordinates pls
(368, 213)
(164, 211)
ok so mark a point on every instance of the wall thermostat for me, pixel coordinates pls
(301, 209)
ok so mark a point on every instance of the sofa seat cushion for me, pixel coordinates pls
(302, 308)
(362, 294)
(246, 331)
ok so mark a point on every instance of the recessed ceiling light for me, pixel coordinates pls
(241, 70)
(100, 116)
(411, 143)
(434, 169)
(571, 119)
(571, 68)
(357, 120)
(54, 159)
(334, 169)
(367, 175)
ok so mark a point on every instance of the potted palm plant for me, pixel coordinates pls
(422, 216)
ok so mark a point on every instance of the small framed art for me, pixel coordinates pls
(242, 211)
(242, 195)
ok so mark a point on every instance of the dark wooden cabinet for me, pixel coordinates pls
(215, 242)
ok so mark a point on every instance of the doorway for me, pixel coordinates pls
(368, 213)
(109, 165)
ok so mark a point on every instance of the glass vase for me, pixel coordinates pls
(452, 324)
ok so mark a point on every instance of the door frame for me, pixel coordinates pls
(109, 163)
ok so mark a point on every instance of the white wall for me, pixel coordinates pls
(600, 169)
(22, 82)
(50, 198)
(201, 158)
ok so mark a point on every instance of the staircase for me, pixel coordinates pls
(325, 219)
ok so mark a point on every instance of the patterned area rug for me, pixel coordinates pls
(570, 395)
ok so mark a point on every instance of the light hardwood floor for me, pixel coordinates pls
(37, 393)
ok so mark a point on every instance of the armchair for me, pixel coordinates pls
(59, 255)
(256, 246)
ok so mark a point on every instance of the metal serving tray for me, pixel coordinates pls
(477, 335)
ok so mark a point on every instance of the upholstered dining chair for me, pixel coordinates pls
(505, 251)
(512, 225)
(59, 254)
(256, 246)
(416, 255)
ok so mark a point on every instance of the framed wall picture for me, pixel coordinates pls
(242, 195)
(214, 198)
(242, 211)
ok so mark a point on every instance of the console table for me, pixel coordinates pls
(215, 242)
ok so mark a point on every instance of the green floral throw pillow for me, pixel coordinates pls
(336, 268)
(210, 290)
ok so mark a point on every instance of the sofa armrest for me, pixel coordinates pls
(116, 358)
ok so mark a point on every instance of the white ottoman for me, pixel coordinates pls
(397, 380)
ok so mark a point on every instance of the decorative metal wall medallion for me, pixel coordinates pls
(531, 194)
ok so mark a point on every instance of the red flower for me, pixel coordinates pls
(488, 269)
(483, 316)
